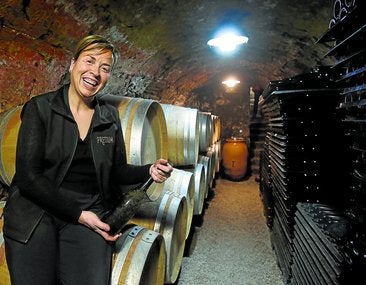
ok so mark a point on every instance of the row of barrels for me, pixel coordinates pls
(151, 249)
(150, 130)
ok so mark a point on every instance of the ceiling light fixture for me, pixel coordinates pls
(227, 40)
(227, 43)
(231, 83)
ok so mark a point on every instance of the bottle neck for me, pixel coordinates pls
(147, 184)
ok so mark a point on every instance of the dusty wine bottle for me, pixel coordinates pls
(126, 208)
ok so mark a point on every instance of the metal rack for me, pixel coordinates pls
(314, 162)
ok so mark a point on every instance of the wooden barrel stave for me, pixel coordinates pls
(139, 258)
(206, 162)
(144, 130)
(200, 187)
(167, 216)
(182, 127)
(9, 129)
(181, 182)
(4, 273)
(205, 130)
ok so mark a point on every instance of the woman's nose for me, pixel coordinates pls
(95, 69)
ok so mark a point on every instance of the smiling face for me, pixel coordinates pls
(89, 73)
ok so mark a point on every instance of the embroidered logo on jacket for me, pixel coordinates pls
(104, 140)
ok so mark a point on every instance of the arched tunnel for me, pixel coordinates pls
(314, 202)
(163, 46)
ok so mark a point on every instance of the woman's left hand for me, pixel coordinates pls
(161, 170)
(91, 220)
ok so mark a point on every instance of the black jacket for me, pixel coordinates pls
(46, 145)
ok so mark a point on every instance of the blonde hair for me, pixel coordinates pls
(96, 42)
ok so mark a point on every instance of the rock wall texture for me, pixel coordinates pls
(163, 48)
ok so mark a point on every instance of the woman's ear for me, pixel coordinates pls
(72, 63)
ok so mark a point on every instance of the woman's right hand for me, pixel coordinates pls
(161, 170)
(92, 221)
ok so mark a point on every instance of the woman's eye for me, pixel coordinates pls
(106, 69)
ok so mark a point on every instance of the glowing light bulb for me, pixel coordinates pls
(231, 83)
(227, 42)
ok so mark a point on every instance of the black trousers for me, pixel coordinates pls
(59, 253)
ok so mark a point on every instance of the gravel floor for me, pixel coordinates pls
(230, 243)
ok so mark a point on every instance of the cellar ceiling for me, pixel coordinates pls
(163, 47)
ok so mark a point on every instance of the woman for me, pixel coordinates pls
(70, 162)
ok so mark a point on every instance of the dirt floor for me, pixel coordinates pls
(230, 243)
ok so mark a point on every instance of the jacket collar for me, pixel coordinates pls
(60, 104)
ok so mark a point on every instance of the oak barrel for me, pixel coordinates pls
(139, 258)
(205, 130)
(144, 130)
(200, 187)
(182, 126)
(212, 154)
(216, 128)
(9, 129)
(181, 182)
(206, 162)
(167, 216)
(4, 273)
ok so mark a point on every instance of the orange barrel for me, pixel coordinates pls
(200, 187)
(182, 125)
(168, 217)
(4, 273)
(9, 129)
(206, 162)
(235, 158)
(205, 130)
(139, 258)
